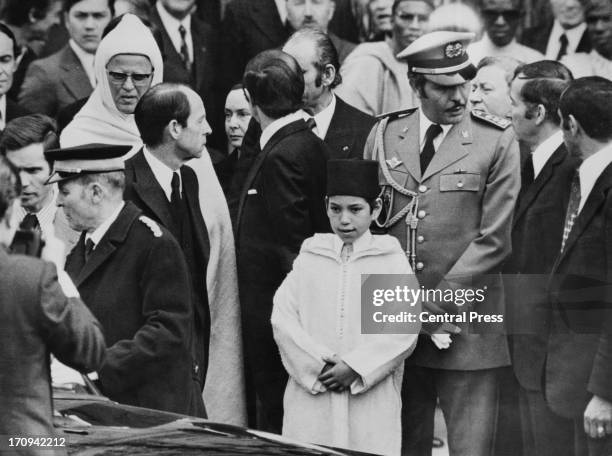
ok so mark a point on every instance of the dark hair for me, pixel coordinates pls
(8, 32)
(544, 69)
(238, 86)
(68, 4)
(32, 129)
(397, 2)
(10, 185)
(275, 83)
(546, 92)
(589, 100)
(326, 52)
(17, 12)
(157, 107)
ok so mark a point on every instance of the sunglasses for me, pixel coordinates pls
(120, 78)
(508, 15)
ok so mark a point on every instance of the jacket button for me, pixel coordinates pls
(421, 214)
(420, 239)
(460, 184)
(420, 266)
(422, 188)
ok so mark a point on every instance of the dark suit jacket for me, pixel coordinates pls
(136, 283)
(282, 203)
(537, 230)
(145, 192)
(537, 38)
(579, 356)
(14, 110)
(36, 319)
(19, 75)
(348, 131)
(54, 82)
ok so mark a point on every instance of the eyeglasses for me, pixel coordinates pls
(138, 79)
(508, 15)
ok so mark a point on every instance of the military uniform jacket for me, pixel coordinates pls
(137, 285)
(465, 204)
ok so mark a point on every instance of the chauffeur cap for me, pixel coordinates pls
(75, 161)
(441, 56)
(353, 178)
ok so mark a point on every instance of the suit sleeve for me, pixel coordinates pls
(601, 373)
(166, 314)
(493, 243)
(72, 333)
(37, 93)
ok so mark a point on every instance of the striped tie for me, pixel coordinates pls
(572, 209)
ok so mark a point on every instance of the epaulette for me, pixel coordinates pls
(396, 114)
(152, 224)
(499, 122)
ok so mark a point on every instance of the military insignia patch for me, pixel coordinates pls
(454, 50)
(153, 226)
(499, 122)
(393, 162)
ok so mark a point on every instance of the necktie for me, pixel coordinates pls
(89, 248)
(563, 49)
(428, 149)
(175, 197)
(184, 50)
(572, 209)
(311, 122)
(29, 222)
(345, 254)
(527, 173)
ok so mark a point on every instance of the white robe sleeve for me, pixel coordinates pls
(302, 356)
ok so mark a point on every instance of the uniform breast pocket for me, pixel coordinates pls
(460, 182)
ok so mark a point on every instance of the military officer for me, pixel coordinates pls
(449, 180)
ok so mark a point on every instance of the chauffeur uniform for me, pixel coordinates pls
(453, 220)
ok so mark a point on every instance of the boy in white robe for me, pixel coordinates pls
(344, 386)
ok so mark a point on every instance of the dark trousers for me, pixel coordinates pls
(544, 432)
(468, 400)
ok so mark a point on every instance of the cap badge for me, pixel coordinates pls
(453, 50)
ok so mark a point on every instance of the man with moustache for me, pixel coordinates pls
(9, 51)
(450, 179)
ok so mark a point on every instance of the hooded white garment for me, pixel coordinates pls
(99, 120)
(316, 315)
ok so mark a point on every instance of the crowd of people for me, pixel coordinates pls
(210, 180)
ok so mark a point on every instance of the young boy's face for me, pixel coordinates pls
(350, 216)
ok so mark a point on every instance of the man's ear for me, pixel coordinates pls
(540, 114)
(95, 191)
(174, 129)
(574, 126)
(328, 76)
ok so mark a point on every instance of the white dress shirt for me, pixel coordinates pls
(591, 169)
(163, 174)
(45, 217)
(99, 232)
(172, 24)
(424, 124)
(544, 151)
(86, 59)
(269, 131)
(573, 39)
(323, 119)
(2, 112)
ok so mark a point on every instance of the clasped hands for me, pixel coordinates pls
(336, 375)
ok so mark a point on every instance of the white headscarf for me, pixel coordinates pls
(99, 121)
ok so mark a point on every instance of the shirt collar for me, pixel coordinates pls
(544, 151)
(323, 119)
(99, 232)
(86, 59)
(591, 169)
(163, 174)
(361, 243)
(424, 124)
(276, 125)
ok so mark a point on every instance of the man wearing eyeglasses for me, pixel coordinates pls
(136, 68)
(501, 19)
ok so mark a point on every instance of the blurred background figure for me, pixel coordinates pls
(501, 21)
(374, 19)
(68, 75)
(9, 51)
(490, 87)
(30, 21)
(598, 62)
(140, 8)
(39, 316)
(24, 142)
(456, 17)
(565, 34)
(374, 80)
(128, 62)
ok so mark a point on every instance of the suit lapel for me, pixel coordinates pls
(74, 77)
(594, 201)
(115, 235)
(452, 148)
(150, 192)
(529, 194)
